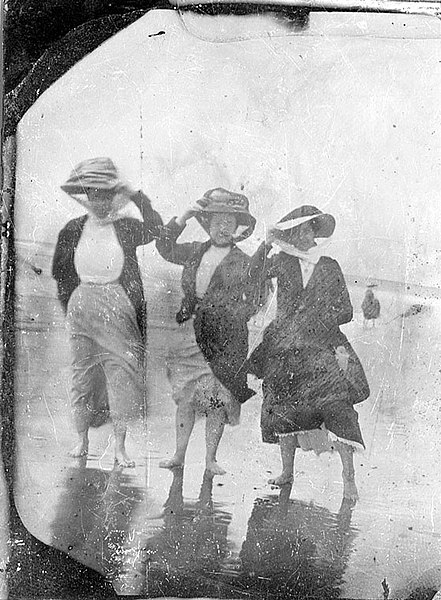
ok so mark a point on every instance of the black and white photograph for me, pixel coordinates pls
(227, 306)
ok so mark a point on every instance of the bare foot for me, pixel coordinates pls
(213, 468)
(171, 463)
(350, 491)
(81, 449)
(123, 460)
(282, 479)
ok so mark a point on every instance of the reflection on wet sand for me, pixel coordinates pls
(92, 515)
(292, 549)
(186, 556)
(108, 519)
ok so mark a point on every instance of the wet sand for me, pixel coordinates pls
(160, 533)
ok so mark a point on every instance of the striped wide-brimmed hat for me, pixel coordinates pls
(220, 200)
(94, 173)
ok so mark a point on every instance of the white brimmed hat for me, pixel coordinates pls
(323, 223)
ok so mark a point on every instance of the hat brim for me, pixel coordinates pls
(324, 226)
(243, 219)
(77, 188)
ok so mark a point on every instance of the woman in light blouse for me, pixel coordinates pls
(100, 289)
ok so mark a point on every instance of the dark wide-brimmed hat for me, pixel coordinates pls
(94, 173)
(323, 223)
(220, 200)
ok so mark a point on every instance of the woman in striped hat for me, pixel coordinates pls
(100, 289)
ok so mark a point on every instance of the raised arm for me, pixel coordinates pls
(262, 267)
(166, 244)
(151, 225)
(260, 271)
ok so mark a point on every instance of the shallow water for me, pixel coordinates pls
(156, 532)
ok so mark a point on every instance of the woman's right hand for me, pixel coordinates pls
(126, 190)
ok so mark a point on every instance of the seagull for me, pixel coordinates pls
(370, 307)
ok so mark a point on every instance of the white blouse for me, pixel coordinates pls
(99, 257)
(307, 269)
(210, 260)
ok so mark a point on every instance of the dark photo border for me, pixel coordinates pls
(36, 570)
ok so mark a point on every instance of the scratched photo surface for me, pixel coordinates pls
(341, 114)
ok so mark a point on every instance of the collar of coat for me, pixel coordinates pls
(231, 257)
(292, 269)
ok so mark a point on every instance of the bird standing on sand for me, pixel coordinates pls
(370, 307)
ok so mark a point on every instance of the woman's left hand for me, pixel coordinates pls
(270, 236)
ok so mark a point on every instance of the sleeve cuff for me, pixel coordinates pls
(171, 230)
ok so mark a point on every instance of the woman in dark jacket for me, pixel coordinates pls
(311, 375)
(206, 363)
(100, 289)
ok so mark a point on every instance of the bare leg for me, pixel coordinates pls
(185, 417)
(288, 445)
(346, 452)
(121, 457)
(82, 448)
(83, 384)
(214, 429)
(122, 390)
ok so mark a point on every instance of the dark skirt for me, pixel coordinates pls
(223, 339)
(304, 389)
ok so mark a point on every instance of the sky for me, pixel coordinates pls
(345, 117)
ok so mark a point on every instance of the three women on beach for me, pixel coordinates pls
(311, 376)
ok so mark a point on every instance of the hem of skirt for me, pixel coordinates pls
(295, 433)
(331, 436)
(335, 438)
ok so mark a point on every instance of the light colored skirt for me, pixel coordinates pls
(192, 380)
(107, 355)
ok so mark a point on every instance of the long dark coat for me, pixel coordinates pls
(220, 317)
(303, 383)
